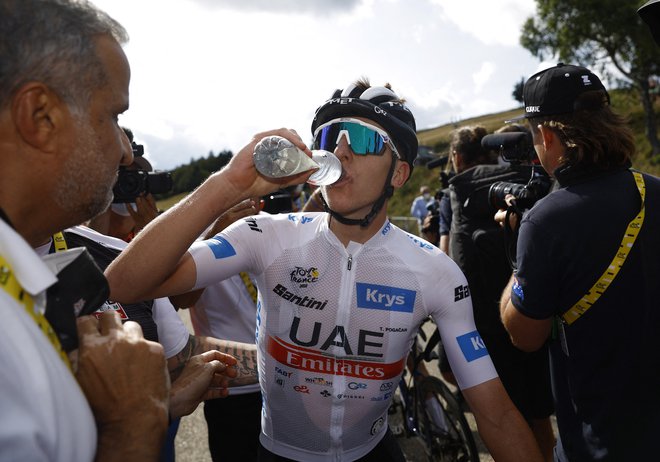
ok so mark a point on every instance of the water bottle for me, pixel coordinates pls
(277, 157)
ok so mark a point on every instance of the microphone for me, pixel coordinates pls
(504, 141)
(439, 162)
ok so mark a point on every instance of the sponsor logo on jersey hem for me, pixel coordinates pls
(303, 359)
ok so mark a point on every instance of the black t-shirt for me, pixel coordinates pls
(607, 389)
(140, 312)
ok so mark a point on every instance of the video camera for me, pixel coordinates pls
(516, 148)
(445, 175)
(513, 147)
(133, 183)
(525, 195)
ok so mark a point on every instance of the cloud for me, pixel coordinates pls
(492, 22)
(482, 76)
(208, 75)
(317, 8)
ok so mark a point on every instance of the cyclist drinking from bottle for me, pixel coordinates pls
(341, 292)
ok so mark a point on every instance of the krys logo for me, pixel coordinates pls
(472, 346)
(304, 276)
(386, 298)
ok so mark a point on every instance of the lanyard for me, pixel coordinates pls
(629, 237)
(249, 286)
(11, 285)
(59, 241)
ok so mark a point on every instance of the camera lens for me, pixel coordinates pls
(498, 192)
(130, 184)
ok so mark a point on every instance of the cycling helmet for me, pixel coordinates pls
(379, 104)
(383, 106)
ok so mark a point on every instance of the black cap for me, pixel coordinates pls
(650, 13)
(555, 90)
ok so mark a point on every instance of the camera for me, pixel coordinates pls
(138, 149)
(133, 183)
(526, 194)
(513, 147)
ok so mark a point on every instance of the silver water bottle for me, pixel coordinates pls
(277, 157)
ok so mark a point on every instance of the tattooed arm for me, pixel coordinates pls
(245, 355)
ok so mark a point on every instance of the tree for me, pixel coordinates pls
(597, 34)
(518, 91)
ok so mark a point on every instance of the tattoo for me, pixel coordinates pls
(245, 354)
(176, 363)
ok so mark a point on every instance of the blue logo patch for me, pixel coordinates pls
(472, 346)
(220, 247)
(420, 243)
(517, 289)
(385, 298)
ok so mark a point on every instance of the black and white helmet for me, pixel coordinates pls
(379, 104)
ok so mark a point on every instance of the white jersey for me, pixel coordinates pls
(335, 325)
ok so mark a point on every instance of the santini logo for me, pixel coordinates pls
(305, 301)
(472, 346)
(386, 298)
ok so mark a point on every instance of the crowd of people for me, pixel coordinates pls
(318, 306)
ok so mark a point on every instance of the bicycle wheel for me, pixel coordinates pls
(447, 435)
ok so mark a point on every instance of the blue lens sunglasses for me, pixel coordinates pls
(363, 138)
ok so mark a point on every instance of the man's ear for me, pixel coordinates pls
(401, 174)
(548, 136)
(38, 114)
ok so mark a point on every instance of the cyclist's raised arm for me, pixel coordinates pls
(154, 264)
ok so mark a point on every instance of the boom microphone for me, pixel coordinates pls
(439, 162)
(504, 141)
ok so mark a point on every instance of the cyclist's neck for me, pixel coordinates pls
(356, 233)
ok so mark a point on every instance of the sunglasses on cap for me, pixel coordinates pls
(363, 138)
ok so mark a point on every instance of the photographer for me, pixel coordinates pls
(601, 317)
(134, 205)
(479, 246)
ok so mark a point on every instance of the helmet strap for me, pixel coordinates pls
(388, 191)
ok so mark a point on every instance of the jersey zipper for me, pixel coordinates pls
(343, 316)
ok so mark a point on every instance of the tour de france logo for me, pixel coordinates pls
(304, 276)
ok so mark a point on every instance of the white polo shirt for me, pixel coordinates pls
(43, 412)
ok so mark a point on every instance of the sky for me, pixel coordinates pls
(209, 74)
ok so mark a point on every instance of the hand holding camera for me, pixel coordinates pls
(132, 183)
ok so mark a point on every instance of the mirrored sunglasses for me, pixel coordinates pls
(363, 138)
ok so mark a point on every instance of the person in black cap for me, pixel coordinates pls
(650, 13)
(588, 266)
(341, 293)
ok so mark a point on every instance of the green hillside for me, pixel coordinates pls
(623, 101)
